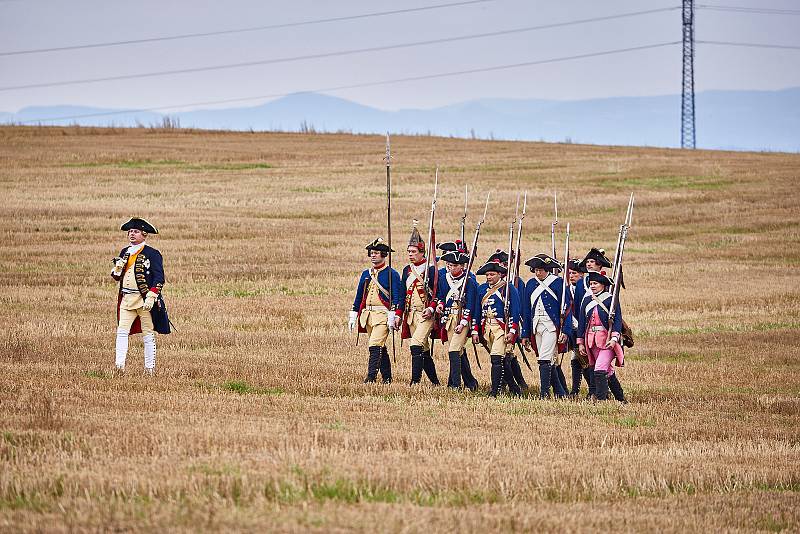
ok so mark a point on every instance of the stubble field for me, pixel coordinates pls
(257, 418)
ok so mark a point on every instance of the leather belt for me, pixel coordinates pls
(375, 308)
(597, 329)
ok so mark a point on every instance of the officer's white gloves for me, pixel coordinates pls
(390, 318)
(149, 301)
(352, 323)
(119, 264)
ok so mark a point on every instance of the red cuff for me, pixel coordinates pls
(154, 290)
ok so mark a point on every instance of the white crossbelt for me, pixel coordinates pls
(598, 328)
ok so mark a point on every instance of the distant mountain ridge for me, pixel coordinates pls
(739, 120)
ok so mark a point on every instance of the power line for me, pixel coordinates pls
(360, 85)
(239, 30)
(750, 45)
(329, 54)
(754, 10)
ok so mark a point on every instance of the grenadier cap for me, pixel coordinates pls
(601, 277)
(416, 240)
(380, 245)
(456, 256)
(543, 261)
(598, 255)
(137, 223)
(493, 266)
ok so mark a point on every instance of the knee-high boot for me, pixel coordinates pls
(416, 364)
(470, 382)
(508, 374)
(545, 378)
(454, 380)
(575, 365)
(588, 374)
(121, 348)
(429, 366)
(616, 389)
(373, 364)
(386, 366)
(517, 370)
(601, 385)
(557, 381)
(497, 375)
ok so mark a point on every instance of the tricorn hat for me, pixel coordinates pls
(599, 277)
(137, 223)
(499, 255)
(447, 246)
(575, 266)
(598, 255)
(493, 266)
(456, 256)
(380, 245)
(543, 261)
(416, 240)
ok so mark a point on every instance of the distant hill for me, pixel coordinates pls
(739, 120)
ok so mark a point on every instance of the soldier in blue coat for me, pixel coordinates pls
(542, 325)
(579, 363)
(139, 269)
(374, 309)
(456, 315)
(417, 308)
(492, 326)
(470, 382)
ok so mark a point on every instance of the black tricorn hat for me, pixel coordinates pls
(456, 256)
(599, 277)
(575, 265)
(380, 245)
(598, 255)
(495, 266)
(542, 261)
(499, 255)
(137, 223)
(447, 246)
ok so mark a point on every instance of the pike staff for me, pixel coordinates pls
(389, 231)
(616, 272)
(516, 265)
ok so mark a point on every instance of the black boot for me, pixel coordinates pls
(576, 377)
(372, 364)
(429, 366)
(616, 389)
(517, 370)
(558, 381)
(497, 375)
(588, 374)
(601, 385)
(508, 374)
(545, 377)
(416, 364)
(454, 380)
(470, 382)
(386, 366)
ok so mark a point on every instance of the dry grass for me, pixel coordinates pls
(257, 418)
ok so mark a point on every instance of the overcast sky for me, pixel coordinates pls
(34, 24)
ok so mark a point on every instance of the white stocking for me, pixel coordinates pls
(121, 348)
(149, 351)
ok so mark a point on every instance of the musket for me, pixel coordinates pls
(617, 269)
(462, 294)
(431, 250)
(389, 230)
(464, 218)
(517, 261)
(507, 290)
(565, 285)
(553, 226)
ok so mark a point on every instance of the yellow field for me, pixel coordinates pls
(257, 418)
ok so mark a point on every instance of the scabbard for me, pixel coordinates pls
(477, 360)
(524, 358)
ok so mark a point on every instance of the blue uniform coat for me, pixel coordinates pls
(383, 279)
(149, 272)
(496, 303)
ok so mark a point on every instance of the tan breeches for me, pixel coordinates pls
(126, 318)
(496, 338)
(377, 329)
(420, 329)
(455, 342)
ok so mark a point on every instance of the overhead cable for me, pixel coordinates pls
(360, 85)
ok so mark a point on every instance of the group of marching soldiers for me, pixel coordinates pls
(425, 303)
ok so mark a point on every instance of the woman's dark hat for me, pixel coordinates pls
(137, 223)
(599, 277)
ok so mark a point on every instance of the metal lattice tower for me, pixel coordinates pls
(687, 94)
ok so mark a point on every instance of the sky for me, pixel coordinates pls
(35, 24)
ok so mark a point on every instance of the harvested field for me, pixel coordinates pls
(257, 418)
